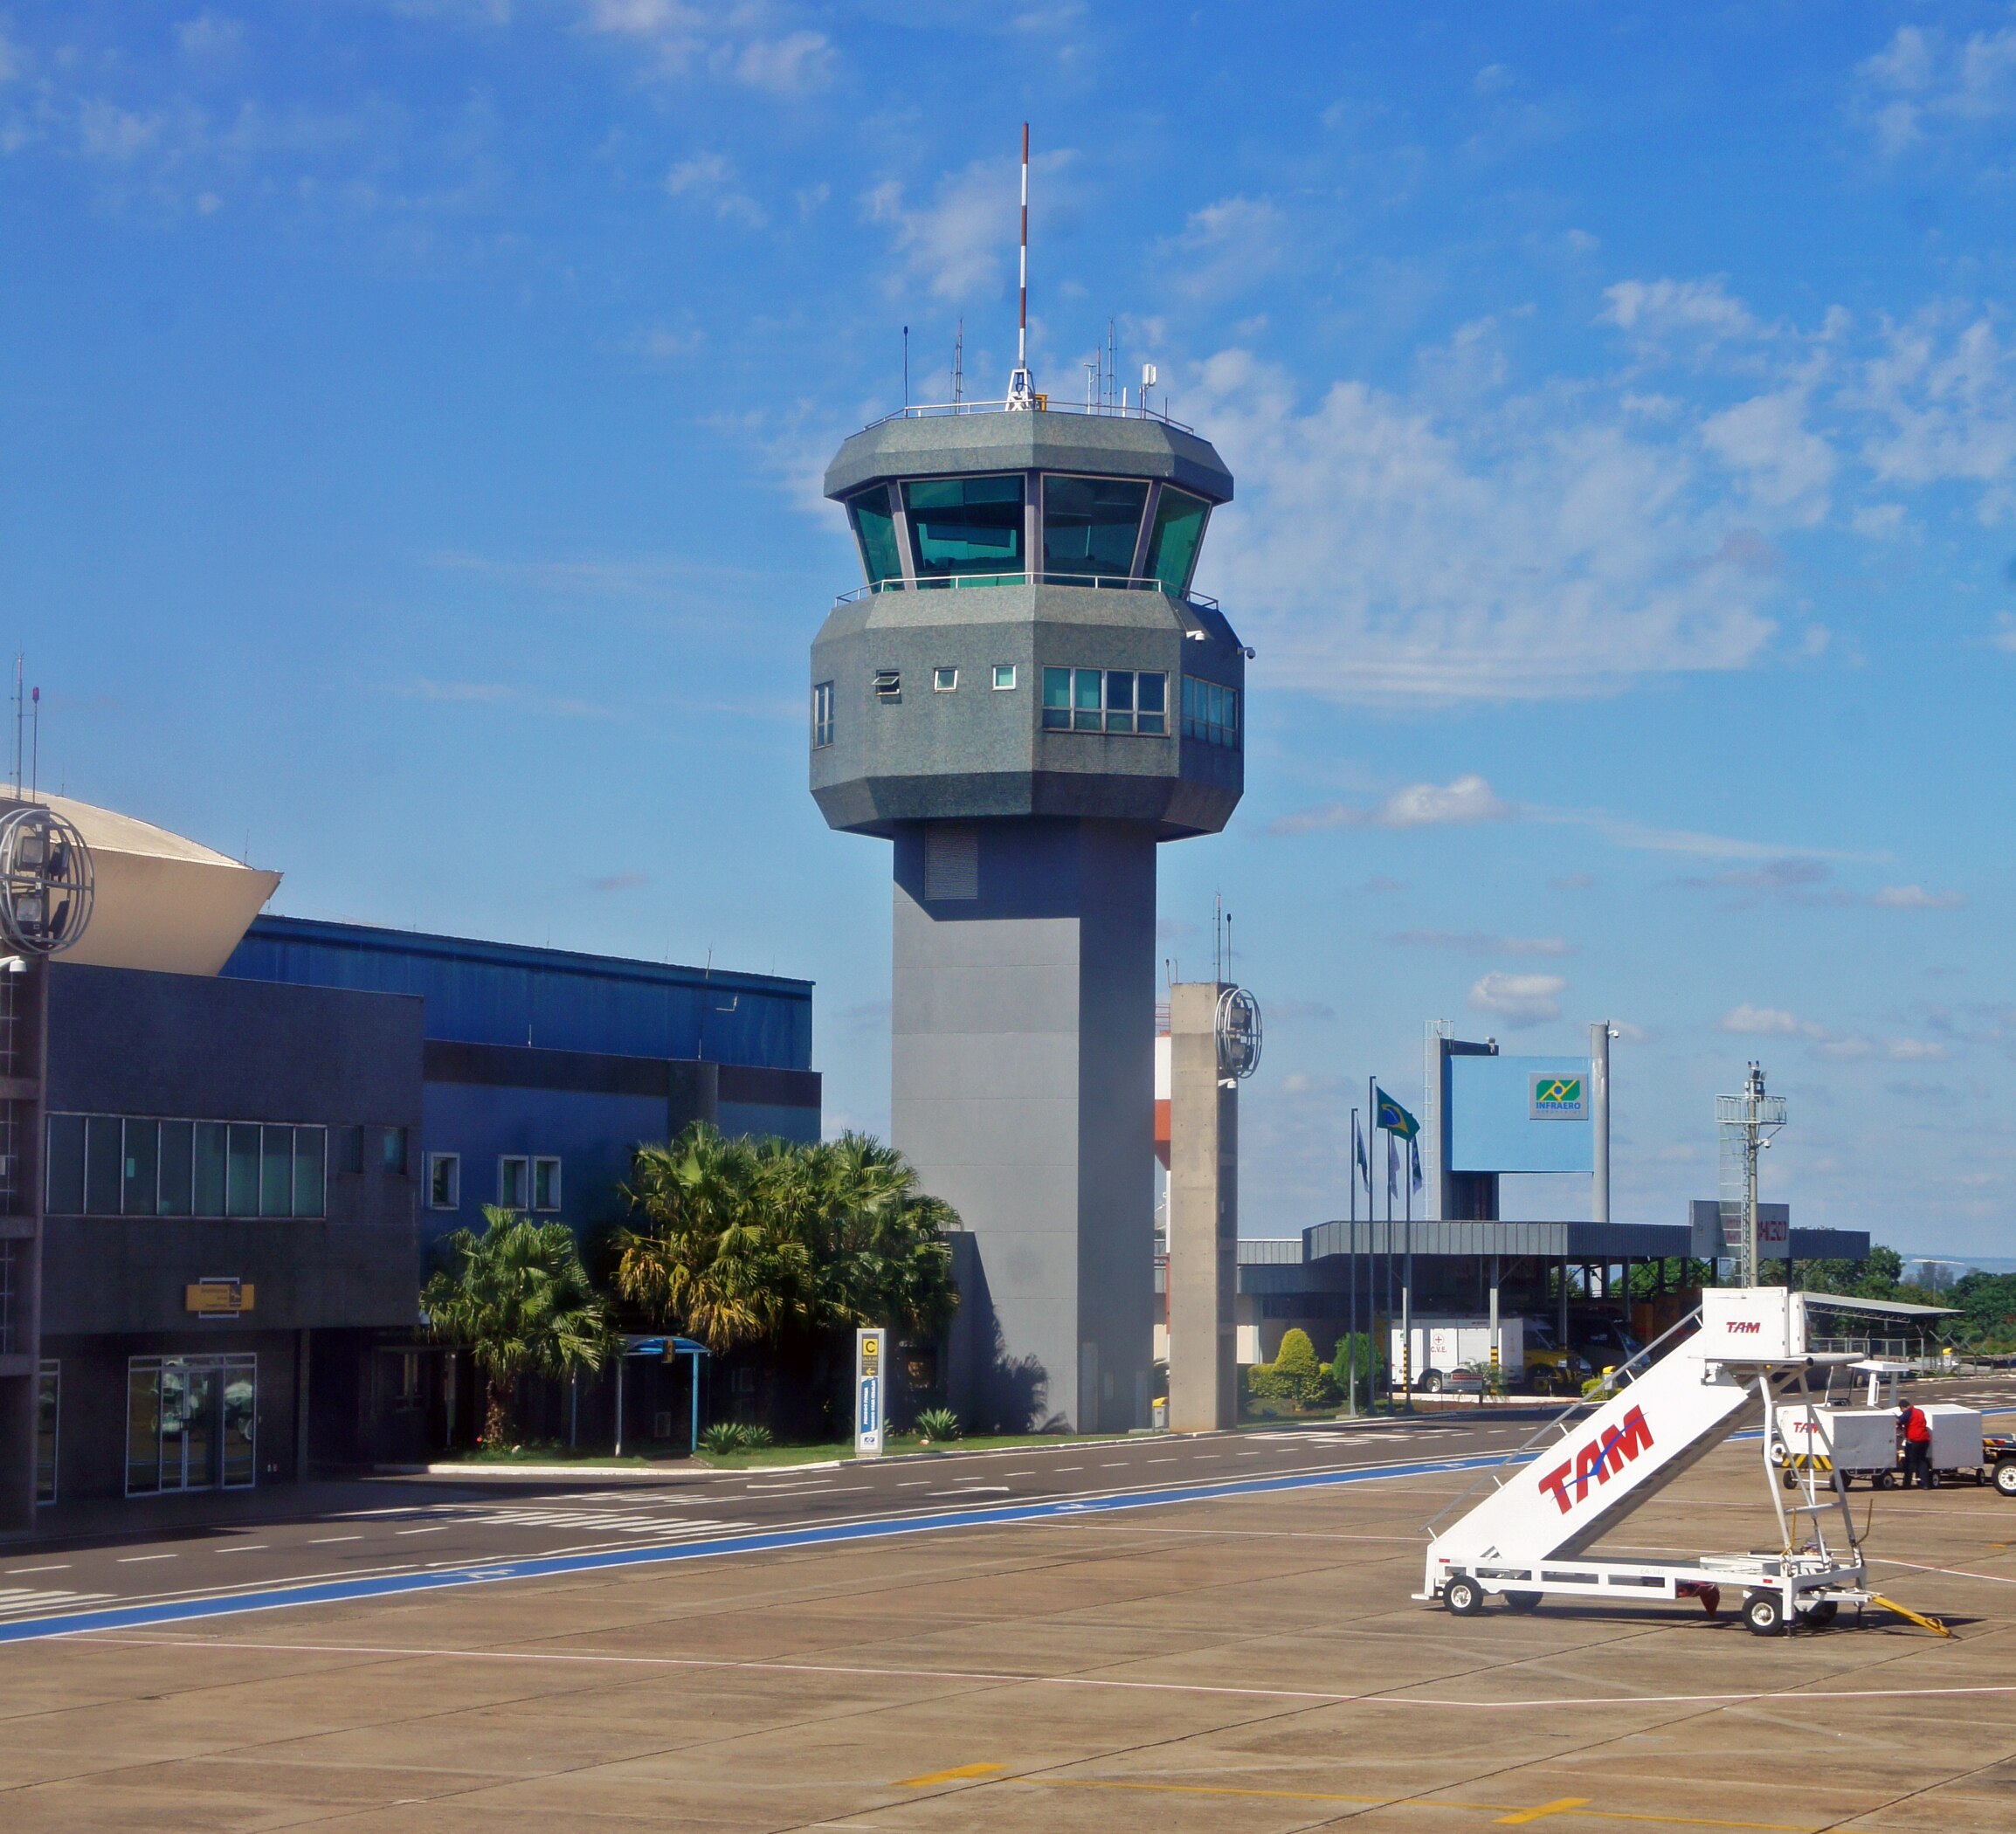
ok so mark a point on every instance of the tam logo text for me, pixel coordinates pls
(1744, 1328)
(1601, 1459)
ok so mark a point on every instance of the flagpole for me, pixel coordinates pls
(1371, 1241)
(1407, 1282)
(1351, 1402)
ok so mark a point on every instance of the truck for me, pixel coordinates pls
(1447, 1351)
(1856, 1430)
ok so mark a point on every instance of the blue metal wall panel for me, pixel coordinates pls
(491, 993)
(1491, 1127)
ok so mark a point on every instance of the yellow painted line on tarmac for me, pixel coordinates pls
(1507, 1814)
(1291, 1796)
(959, 1775)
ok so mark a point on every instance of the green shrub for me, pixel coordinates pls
(1372, 1369)
(938, 1422)
(1294, 1375)
(730, 1436)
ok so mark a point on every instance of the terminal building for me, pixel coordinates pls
(239, 1138)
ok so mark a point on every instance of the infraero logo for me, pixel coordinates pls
(1557, 1098)
(1601, 1459)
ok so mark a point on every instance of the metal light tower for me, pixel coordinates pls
(1026, 697)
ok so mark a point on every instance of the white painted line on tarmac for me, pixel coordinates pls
(1804, 1693)
(133, 1559)
(1998, 1579)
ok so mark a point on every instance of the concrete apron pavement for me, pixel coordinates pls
(1248, 1662)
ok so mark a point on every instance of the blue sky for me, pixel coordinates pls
(416, 414)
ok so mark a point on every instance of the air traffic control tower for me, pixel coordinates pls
(1025, 697)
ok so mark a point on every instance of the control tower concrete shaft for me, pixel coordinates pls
(1025, 697)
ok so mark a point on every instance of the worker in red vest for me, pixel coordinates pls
(1917, 1435)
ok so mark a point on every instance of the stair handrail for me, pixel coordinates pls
(1558, 1426)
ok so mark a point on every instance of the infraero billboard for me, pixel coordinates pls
(1521, 1114)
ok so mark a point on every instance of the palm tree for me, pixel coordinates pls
(719, 1254)
(518, 1299)
(746, 1242)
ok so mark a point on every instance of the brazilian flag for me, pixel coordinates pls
(1393, 1117)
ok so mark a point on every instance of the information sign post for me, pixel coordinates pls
(871, 1359)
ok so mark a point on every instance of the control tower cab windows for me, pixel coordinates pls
(874, 525)
(1210, 712)
(965, 528)
(1091, 527)
(1111, 700)
(1178, 533)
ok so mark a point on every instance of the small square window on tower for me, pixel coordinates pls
(945, 681)
(1004, 675)
(889, 685)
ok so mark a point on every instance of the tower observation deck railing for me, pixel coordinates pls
(1026, 577)
(1044, 405)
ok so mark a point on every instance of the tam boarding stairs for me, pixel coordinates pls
(1585, 1473)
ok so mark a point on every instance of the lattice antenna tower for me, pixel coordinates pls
(1745, 1125)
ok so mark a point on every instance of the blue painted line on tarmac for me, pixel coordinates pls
(139, 1616)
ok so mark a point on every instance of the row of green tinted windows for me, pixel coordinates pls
(1105, 701)
(1209, 712)
(108, 1165)
(972, 528)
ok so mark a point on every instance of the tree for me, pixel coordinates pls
(743, 1242)
(519, 1300)
(1878, 1277)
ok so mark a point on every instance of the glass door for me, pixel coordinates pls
(191, 1424)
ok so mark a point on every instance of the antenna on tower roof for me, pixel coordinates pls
(1021, 389)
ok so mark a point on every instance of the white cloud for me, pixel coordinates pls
(1519, 999)
(1376, 551)
(1913, 1051)
(794, 64)
(1228, 246)
(109, 132)
(1467, 800)
(1703, 308)
(960, 244)
(1433, 805)
(1785, 465)
(1943, 394)
(1921, 80)
(1769, 1021)
(709, 178)
(1916, 898)
(745, 41)
(210, 35)
(2005, 633)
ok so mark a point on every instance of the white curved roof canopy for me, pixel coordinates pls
(163, 902)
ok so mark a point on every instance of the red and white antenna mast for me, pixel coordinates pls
(1021, 389)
